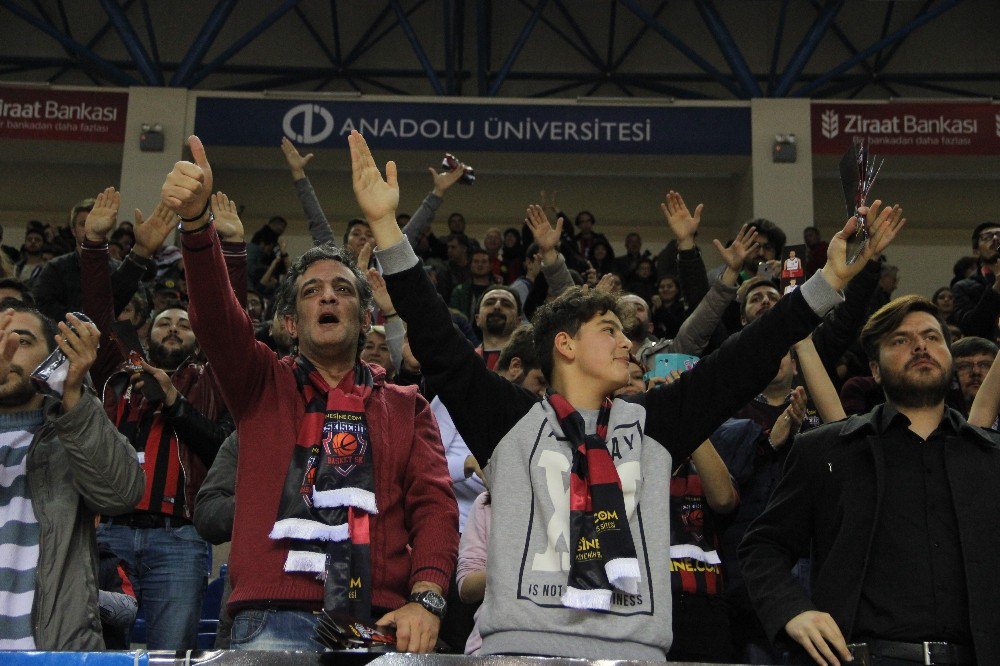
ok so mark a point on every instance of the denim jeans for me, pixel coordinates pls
(169, 569)
(274, 629)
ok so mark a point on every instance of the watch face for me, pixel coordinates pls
(432, 601)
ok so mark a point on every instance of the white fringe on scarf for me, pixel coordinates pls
(356, 497)
(308, 530)
(623, 573)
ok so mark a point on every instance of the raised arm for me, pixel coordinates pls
(696, 331)
(223, 329)
(553, 264)
(821, 389)
(710, 393)
(448, 362)
(424, 215)
(319, 227)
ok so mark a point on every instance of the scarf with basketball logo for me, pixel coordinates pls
(602, 556)
(329, 490)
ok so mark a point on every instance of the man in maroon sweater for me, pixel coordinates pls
(413, 536)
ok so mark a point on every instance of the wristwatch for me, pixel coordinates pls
(430, 600)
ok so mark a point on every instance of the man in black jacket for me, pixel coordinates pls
(977, 298)
(898, 507)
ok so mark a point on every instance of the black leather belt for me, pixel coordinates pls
(146, 521)
(930, 652)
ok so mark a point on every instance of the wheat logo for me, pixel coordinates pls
(998, 124)
(831, 124)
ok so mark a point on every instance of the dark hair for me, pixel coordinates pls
(265, 236)
(938, 292)
(890, 316)
(521, 345)
(773, 232)
(576, 220)
(350, 225)
(751, 285)
(172, 304)
(20, 287)
(980, 228)
(287, 295)
(49, 328)
(972, 345)
(961, 266)
(676, 280)
(478, 250)
(566, 314)
(500, 287)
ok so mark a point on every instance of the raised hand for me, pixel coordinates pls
(296, 162)
(379, 291)
(608, 284)
(888, 222)
(189, 184)
(682, 223)
(736, 253)
(442, 181)
(365, 256)
(791, 419)
(102, 217)
(549, 202)
(227, 220)
(377, 197)
(150, 234)
(545, 234)
(79, 344)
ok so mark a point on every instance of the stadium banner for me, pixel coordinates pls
(908, 128)
(515, 127)
(62, 115)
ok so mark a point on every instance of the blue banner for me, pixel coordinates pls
(539, 128)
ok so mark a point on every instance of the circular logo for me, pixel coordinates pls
(344, 444)
(316, 124)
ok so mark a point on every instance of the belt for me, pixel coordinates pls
(145, 521)
(929, 652)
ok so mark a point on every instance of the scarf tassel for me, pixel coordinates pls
(586, 599)
(356, 497)
(623, 573)
(304, 561)
(308, 530)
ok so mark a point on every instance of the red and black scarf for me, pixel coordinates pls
(602, 556)
(329, 490)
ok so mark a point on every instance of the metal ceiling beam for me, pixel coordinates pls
(130, 40)
(730, 51)
(776, 49)
(237, 46)
(100, 65)
(484, 20)
(916, 23)
(515, 51)
(676, 42)
(418, 49)
(807, 47)
(203, 42)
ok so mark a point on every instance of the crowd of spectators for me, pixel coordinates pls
(406, 373)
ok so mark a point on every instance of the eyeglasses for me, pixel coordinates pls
(989, 235)
(965, 367)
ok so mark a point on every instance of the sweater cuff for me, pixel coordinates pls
(200, 239)
(397, 258)
(234, 248)
(820, 296)
(437, 570)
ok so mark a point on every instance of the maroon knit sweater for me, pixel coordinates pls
(414, 537)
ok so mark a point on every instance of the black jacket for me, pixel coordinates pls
(977, 306)
(829, 498)
(57, 288)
